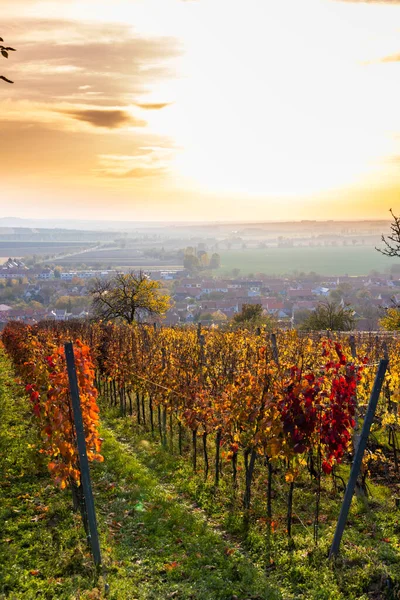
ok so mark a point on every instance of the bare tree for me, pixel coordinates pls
(4, 50)
(128, 297)
(392, 242)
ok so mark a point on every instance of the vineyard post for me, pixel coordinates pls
(164, 412)
(356, 429)
(93, 536)
(275, 352)
(391, 407)
(355, 468)
(352, 342)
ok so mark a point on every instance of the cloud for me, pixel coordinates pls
(111, 119)
(32, 148)
(59, 59)
(391, 58)
(153, 105)
(146, 162)
(389, 2)
(140, 173)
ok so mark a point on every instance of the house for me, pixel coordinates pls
(207, 287)
(181, 293)
(272, 306)
(45, 274)
(300, 294)
(13, 273)
(191, 283)
(171, 318)
(58, 314)
(305, 305)
(168, 275)
(321, 291)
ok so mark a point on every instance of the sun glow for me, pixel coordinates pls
(281, 98)
(244, 99)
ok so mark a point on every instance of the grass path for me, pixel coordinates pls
(162, 548)
(154, 546)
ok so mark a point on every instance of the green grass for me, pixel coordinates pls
(153, 546)
(43, 551)
(324, 260)
(165, 533)
(369, 563)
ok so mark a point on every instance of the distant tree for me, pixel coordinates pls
(57, 273)
(76, 281)
(70, 302)
(301, 315)
(215, 261)
(204, 260)
(218, 315)
(4, 50)
(340, 292)
(128, 297)
(251, 316)
(190, 259)
(391, 320)
(204, 317)
(235, 272)
(330, 316)
(335, 295)
(392, 241)
(249, 312)
(36, 305)
(363, 294)
(191, 262)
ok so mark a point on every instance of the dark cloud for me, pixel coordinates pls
(153, 105)
(112, 119)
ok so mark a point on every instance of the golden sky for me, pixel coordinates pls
(200, 109)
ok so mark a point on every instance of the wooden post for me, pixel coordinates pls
(356, 430)
(352, 342)
(275, 352)
(93, 537)
(355, 468)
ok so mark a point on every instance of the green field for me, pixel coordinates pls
(325, 260)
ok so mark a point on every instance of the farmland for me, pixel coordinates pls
(324, 260)
(115, 257)
(28, 248)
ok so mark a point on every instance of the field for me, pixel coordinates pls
(324, 260)
(116, 258)
(23, 248)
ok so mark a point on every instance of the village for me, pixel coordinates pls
(32, 294)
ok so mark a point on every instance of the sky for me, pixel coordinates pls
(200, 109)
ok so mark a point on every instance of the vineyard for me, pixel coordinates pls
(264, 428)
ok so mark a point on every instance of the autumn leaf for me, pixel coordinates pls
(171, 566)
